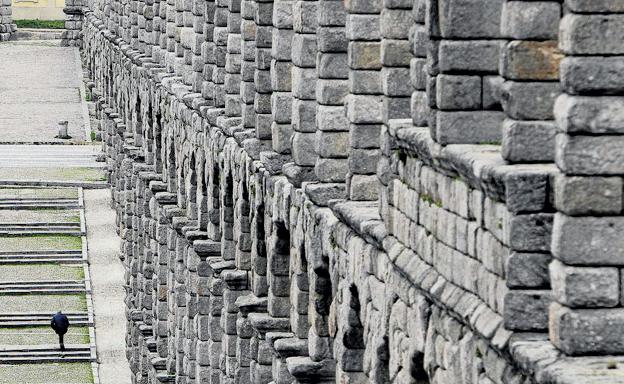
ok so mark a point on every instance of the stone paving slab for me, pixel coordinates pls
(43, 88)
(52, 373)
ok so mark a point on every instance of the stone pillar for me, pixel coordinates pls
(72, 36)
(304, 80)
(207, 49)
(588, 316)
(7, 27)
(364, 102)
(281, 85)
(263, 20)
(332, 127)
(462, 53)
(530, 68)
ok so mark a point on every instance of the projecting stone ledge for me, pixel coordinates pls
(537, 356)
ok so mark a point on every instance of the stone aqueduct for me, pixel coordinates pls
(396, 191)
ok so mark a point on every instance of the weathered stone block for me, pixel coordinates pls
(526, 20)
(469, 56)
(588, 195)
(583, 331)
(578, 287)
(595, 241)
(592, 34)
(531, 60)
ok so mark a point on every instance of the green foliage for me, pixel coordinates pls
(41, 24)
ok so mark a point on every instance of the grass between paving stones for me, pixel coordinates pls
(43, 303)
(40, 24)
(65, 373)
(40, 243)
(39, 216)
(35, 272)
(42, 335)
(53, 174)
(38, 193)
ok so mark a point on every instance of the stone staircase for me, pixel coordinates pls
(14, 320)
(34, 354)
(31, 271)
(19, 229)
(40, 257)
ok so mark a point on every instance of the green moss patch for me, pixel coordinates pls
(67, 373)
(43, 303)
(38, 193)
(34, 272)
(53, 174)
(39, 216)
(42, 335)
(40, 24)
(40, 243)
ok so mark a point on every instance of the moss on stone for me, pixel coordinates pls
(40, 243)
(53, 174)
(42, 335)
(35, 272)
(43, 303)
(40, 216)
(67, 373)
(38, 193)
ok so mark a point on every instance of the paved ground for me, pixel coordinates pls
(48, 230)
(40, 86)
(107, 278)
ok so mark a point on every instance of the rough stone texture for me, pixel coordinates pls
(351, 227)
(7, 27)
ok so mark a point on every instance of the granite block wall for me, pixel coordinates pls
(7, 27)
(367, 191)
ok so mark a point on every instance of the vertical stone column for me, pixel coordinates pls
(462, 52)
(72, 36)
(364, 102)
(588, 315)
(281, 85)
(197, 62)
(248, 63)
(233, 62)
(207, 50)
(304, 79)
(170, 41)
(263, 20)
(134, 24)
(220, 52)
(530, 68)
(7, 27)
(332, 127)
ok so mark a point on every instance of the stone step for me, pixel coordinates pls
(15, 320)
(39, 257)
(39, 204)
(42, 287)
(33, 354)
(20, 229)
